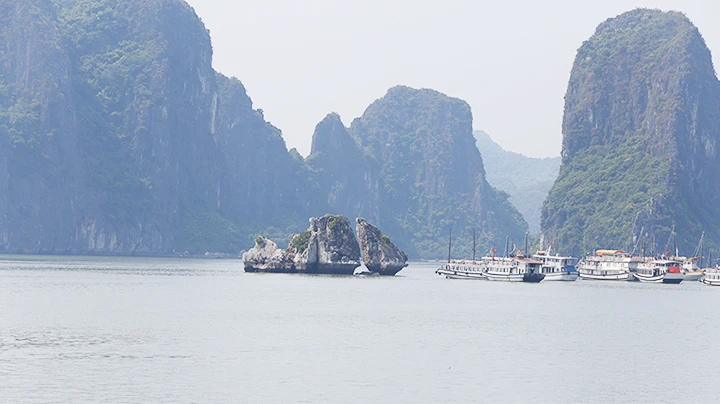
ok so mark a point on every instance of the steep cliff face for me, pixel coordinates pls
(117, 136)
(344, 173)
(526, 179)
(263, 188)
(431, 173)
(39, 163)
(641, 132)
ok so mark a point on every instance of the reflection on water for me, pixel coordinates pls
(107, 329)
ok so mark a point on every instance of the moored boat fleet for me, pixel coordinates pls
(603, 265)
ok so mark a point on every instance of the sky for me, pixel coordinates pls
(510, 60)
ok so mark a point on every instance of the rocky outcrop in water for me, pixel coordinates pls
(329, 246)
(380, 255)
(332, 247)
(266, 256)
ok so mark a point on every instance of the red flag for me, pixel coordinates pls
(494, 250)
(667, 252)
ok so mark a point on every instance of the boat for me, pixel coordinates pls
(690, 266)
(462, 269)
(690, 269)
(608, 265)
(514, 269)
(711, 277)
(659, 271)
(555, 267)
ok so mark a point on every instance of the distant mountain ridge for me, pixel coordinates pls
(526, 179)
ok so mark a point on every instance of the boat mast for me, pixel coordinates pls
(450, 245)
(698, 248)
(667, 245)
(710, 265)
(473, 244)
(637, 241)
(526, 244)
(507, 240)
(652, 246)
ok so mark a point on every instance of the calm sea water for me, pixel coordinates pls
(148, 330)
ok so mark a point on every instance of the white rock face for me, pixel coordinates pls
(329, 246)
(332, 242)
(379, 253)
(266, 256)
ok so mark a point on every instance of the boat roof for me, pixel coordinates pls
(559, 257)
(529, 261)
(666, 261)
(609, 252)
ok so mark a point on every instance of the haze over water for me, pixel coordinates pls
(132, 330)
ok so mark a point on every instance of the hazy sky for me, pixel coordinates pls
(510, 60)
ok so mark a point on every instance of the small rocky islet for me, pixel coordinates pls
(328, 246)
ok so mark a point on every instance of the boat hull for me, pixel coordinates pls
(673, 278)
(710, 282)
(623, 276)
(460, 274)
(561, 276)
(533, 278)
(693, 276)
(504, 277)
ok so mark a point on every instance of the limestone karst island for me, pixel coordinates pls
(117, 137)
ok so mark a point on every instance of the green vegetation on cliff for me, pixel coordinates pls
(117, 136)
(431, 174)
(641, 133)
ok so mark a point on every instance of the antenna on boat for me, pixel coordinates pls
(450, 245)
(473, 244)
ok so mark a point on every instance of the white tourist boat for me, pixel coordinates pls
(690, 269)
(555, 267)
(659, 271)
(711, 277)
(513, 269)
(463, 270)
(608, 265)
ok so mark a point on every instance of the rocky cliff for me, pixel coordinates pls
(329, 246)
(117, 136)
(266, 256)
(431, 174)
(380, 255)
(347, 176)
(526, 179)
(641, 135)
